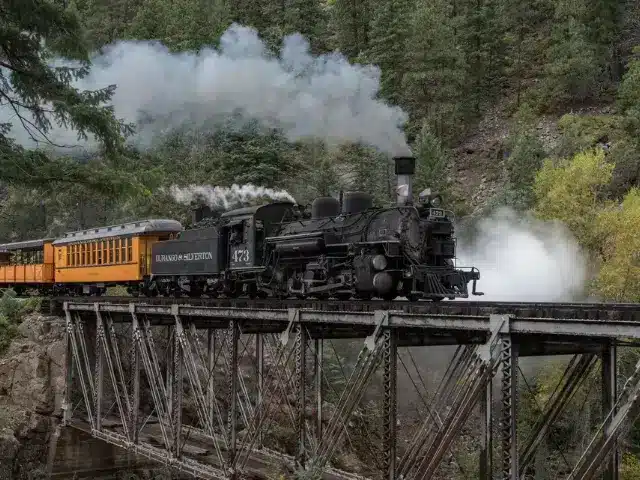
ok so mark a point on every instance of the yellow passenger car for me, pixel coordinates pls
(88, 261)
(27, 265)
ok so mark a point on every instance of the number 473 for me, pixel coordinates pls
(240, 255)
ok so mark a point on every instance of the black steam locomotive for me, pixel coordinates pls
(340, 250)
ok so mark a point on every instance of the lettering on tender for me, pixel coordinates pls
(184, 257)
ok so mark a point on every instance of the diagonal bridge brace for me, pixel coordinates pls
(191, 368)
(259, 421)
(574, 375)
(146, 348)
(616, 423)
(476, 368)
(111, 353)
(367, 362)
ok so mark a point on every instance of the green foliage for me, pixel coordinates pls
(434, 81)
(629, 467)
(31, 33)
(433, 163)
(525, 153)
(481, 34)
(388, 44)
(364, 169)
(571, 70)
(349, 22)
(181, 24)
(526, 33)
(572, 192)
(106, 21)
(629, 95)
(580, 132)
(11, 312)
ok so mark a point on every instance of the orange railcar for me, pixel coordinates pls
(27, 265)
(88, 261)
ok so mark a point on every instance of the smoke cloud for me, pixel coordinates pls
(323, 97)
(520, 259)
(226, 197)
(526, 260)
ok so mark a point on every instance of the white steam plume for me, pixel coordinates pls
(323, 97)
(226, 197)
(525, 260)
(520, 260)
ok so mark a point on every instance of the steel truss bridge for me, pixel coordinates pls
(200, 386)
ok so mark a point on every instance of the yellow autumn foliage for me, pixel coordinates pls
(630, 467)
(619, 227)
(569, 192)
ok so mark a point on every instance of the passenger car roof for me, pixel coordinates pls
(139, 227)
(25, 245)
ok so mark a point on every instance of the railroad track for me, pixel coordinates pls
(587, 311)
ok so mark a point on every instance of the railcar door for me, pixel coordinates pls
(241, 244)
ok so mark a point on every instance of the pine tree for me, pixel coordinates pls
(604, 21)
(366, 170)
(571, 68)
(180, 24)
(435, 77)
(433, 163)
(349, 20)
(309, 18)
(106, 20)
(527, 25)
(389, 44)
(480, 33)
(31, 33)
(251, 13)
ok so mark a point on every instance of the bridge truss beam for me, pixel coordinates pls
(203, 400)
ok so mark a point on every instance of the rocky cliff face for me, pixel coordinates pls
(31, 389)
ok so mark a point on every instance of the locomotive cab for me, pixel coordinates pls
(247, 229)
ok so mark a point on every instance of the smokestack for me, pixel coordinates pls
(199, 211)
(405, 168)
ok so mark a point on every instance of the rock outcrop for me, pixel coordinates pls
(31, 390)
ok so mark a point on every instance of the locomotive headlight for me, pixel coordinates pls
(379, 262)
(436, 201)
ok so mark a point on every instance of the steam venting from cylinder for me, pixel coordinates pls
(405, 168)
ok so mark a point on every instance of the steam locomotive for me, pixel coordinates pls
(340, 250)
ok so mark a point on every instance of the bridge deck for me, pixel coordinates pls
(581, 321)
(585, 311)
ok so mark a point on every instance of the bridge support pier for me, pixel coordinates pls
(509, 361)
(232, 390)
(609, 399)
(260, 380)
(319, 376)
(301, 388)
(486, 450)
(390, 404)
